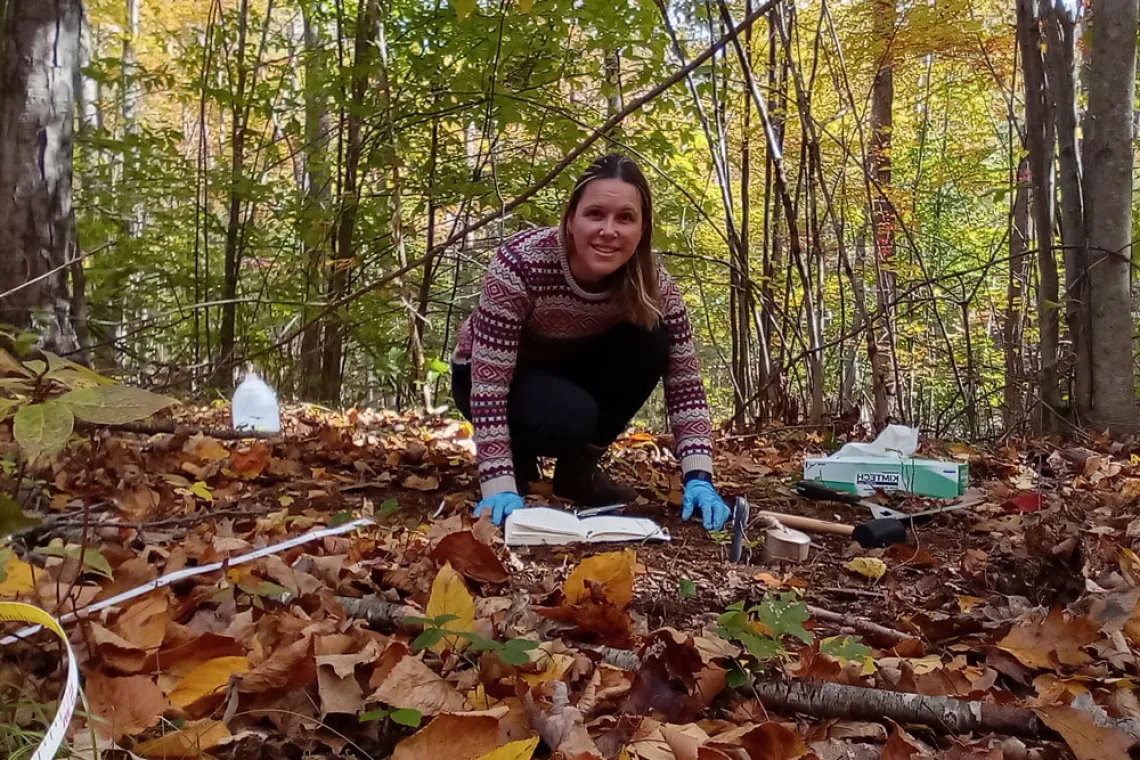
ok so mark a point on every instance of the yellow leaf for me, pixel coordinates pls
(967, 603)
(200, 490)
(555, 669)
(523, 749)
(479, 699)
(209, 677)
(464, 8)
(613, 570)
(190, 741)
(19, 578)
(210, 448)
(449, 596)
(871, 567)
(525, 6)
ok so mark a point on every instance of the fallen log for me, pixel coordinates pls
(943, 714)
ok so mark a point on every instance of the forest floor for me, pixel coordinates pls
(1027, 599)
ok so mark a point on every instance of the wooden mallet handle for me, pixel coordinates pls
(811, 525)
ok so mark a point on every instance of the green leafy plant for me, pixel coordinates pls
(44, 394)
(845, 648)
(686, 588)
(404, 716)
(512, 651)
(762, 628)
(93, 561)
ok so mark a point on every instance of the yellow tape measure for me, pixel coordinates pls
(25, 613)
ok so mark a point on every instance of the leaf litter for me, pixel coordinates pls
(459, 647)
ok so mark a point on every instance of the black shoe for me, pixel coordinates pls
(578, 478)
(526, 472)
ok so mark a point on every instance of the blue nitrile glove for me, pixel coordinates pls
(500, 505)
(701, 495)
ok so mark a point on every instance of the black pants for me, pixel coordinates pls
(589, 396)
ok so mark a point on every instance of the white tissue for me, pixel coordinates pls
(896, 441)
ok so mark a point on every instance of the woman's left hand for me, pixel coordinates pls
(700, 495)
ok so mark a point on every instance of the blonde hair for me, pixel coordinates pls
(638, 289)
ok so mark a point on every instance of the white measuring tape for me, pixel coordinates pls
(27, 613)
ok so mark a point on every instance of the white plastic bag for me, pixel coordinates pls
(255, 406)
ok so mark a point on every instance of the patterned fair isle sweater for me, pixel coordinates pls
(531, 305)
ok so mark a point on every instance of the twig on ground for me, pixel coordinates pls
(169, 427)
(380, 613)
(863, 626)
(48, 526)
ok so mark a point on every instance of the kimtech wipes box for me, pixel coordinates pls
(887, 464)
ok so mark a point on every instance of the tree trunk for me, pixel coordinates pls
(612, 68)
(739, 367)
(879, 168)
(1060, 54)
(223, 369)
(1014, 329)
(132, 96)
(39, 53)
(1108, 156)
(1039, 139)
(332, 374)
(318, 198)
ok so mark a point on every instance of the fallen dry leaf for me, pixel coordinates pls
(1055, 640)
(127, 705)
(413, 684)
(684, 740)
(18, 578)
(870, 567)
(902, 746)
(561, 726)
(339, 694)
(117, 653)
(208, 678)
(523, 749)
(1088, 741)
(420, 483)
(191, 741)
(249, 463)
(597, 619)
(144, 622)
(449, 596)
(470, 557)
(613, 571)
(452, 736)
(288, 668)
(768, 741)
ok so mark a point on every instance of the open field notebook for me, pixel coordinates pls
(543, 525)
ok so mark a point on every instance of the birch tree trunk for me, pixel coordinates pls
(39, 55)
(1108, 157)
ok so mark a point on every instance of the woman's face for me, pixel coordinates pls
(605, 228)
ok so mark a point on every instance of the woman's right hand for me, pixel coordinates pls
(499, 505)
